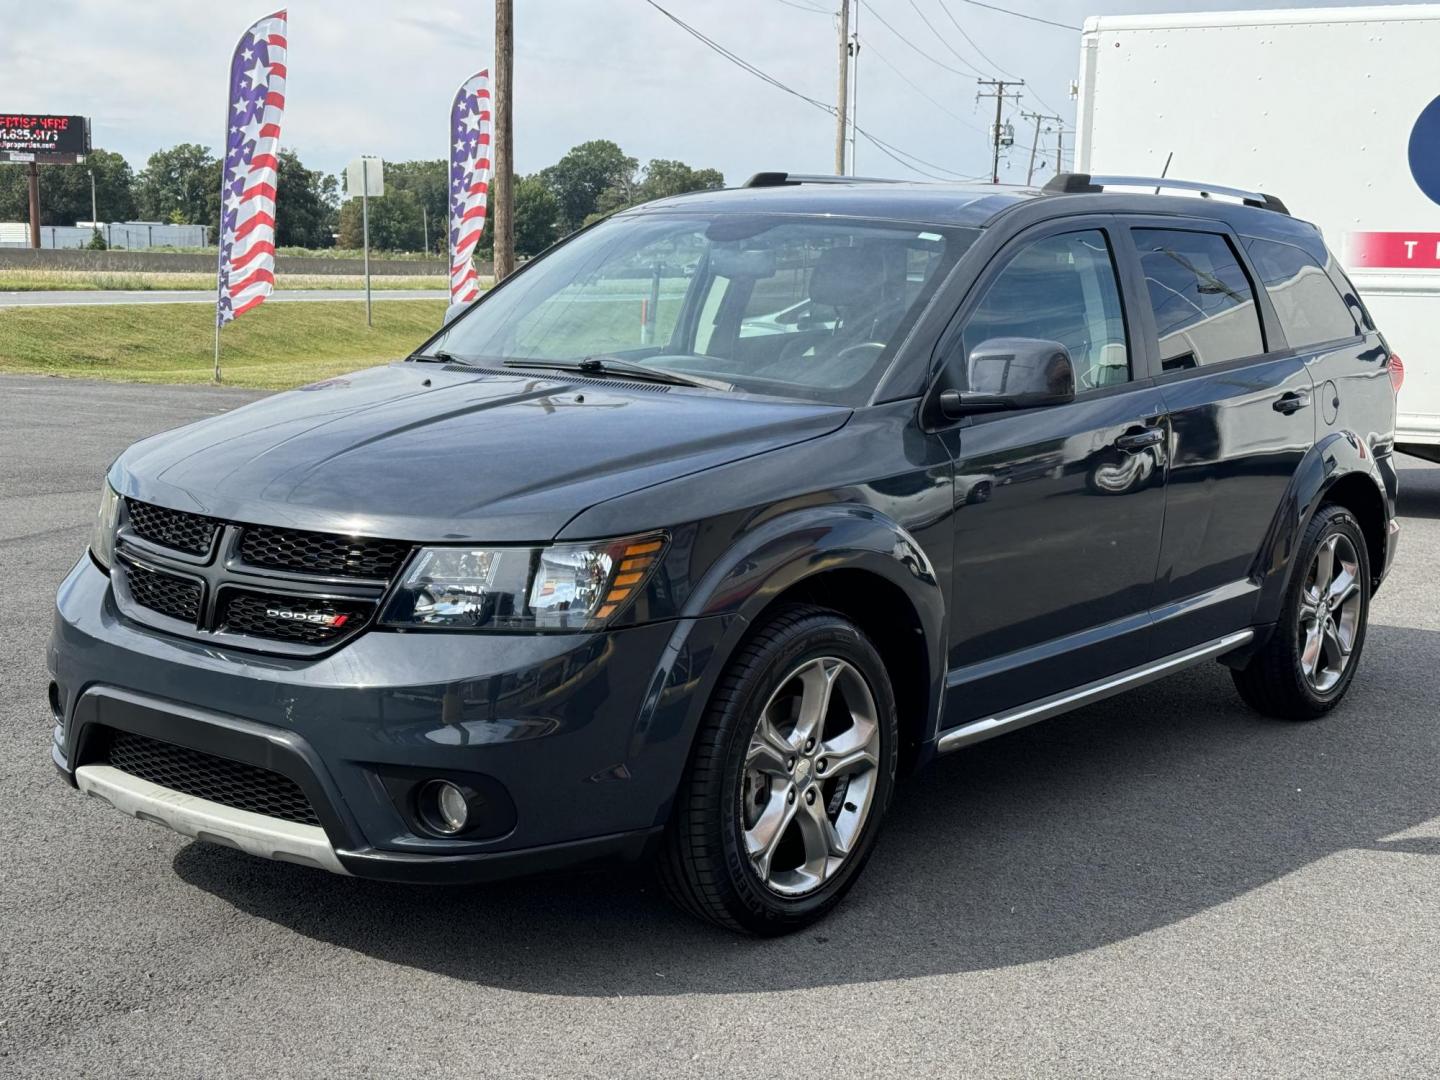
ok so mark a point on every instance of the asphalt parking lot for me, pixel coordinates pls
(1160, 885)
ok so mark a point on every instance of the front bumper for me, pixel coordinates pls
(581, 739)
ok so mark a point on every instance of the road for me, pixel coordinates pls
(112, 297)
(1160, 885)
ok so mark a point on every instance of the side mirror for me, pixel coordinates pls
(1012, 373)
(453, 312)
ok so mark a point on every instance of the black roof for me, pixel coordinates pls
(937, 204)
(974, 205)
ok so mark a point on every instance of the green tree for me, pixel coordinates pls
(537, 216)
(665, 178)
(180, 183)
(428, 182)
(306, 202)
(659, 180)
(65, 191)
(396, 221)
(583, 175)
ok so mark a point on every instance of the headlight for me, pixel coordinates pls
(566, 587)
(102, 542)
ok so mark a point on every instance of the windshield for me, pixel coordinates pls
(810, 307)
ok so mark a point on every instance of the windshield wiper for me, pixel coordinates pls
(439, 356)
(614, 365)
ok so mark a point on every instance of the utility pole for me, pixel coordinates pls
(999, 92)
(502, 182)
(854, 85)
(1060, 148)
(842, 96)
(94, 219)
(424, 230)
(1035, 142)
(34, 176)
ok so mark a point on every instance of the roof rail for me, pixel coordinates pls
(1077, 183)
(782, 179)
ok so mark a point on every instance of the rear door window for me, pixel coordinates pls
(1204, 306)
(1310, 308)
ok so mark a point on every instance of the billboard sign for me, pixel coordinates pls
(48, 140)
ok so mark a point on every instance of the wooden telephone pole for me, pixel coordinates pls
(998, 90)
(1035, 142)
(502, 187)
(33, 178)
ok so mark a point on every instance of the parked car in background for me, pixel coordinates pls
(622, 565)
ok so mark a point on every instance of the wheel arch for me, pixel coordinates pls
(856, 561)
(1340, 470)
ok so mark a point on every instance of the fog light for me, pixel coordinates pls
(445, 807)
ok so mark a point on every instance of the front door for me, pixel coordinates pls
(1059, 510)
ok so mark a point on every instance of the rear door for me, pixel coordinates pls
(1325, 324)
(1242, 418)
(1058, 510)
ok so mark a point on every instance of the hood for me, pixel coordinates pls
(423, 452)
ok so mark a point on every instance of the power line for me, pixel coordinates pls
(986, 57)
(916, 87)
(751, 68)
(931, 27)
(1021, 15)
(922, 52)
(950, 15)
(806, 7)
(889, 149)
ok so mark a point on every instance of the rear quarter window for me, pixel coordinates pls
(1310, 308)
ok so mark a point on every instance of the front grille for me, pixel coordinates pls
(172, 528)
(307, 620)
(176, 597)
(230, 783)
(321, 553)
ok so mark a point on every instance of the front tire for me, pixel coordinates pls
(1310, 660)
(791, 774)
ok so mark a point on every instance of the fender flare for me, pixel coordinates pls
(1338, 455)
(765, 562)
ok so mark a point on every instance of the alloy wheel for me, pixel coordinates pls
(1330, 610)
(810, 776)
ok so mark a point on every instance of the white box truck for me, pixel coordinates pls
(1334, 110)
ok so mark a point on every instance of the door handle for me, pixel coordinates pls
(1291, 402)
(1139, 440)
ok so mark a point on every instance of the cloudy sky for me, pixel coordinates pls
(376, 77)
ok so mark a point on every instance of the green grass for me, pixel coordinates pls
(19, 280)
(275, 346)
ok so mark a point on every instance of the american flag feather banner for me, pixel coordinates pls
(250, 169)
(469, 181)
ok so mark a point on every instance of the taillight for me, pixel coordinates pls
(1397, 372)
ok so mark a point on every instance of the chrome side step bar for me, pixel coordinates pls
(270, 838)
(1014, 719)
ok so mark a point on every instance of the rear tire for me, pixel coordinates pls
(1306, 667)
(791, 774)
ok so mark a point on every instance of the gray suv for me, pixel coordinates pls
(692, 539)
